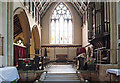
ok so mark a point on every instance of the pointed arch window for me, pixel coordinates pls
(61, 25)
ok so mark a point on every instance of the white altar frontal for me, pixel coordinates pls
(8, 74)
(114, 71)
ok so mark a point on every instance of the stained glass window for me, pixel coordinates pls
(61, 25)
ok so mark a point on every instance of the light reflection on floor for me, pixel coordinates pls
(61, 69)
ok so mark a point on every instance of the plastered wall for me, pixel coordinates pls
(3, 31)
(0, 29)
(0, 18)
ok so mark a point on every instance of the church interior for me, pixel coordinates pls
(45, 41)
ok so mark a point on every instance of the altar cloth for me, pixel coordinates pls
(114, 71)
(8, 74)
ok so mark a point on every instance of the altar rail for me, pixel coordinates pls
(43, 62)
(106, 56)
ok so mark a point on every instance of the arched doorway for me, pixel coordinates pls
(21, 31)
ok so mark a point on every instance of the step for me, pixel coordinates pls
(61, 80)
(65, 81)
(64, 78)
(51, 76)
(62, 75)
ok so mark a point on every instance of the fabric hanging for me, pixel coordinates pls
(19, 52)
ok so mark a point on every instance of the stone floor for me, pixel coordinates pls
(61, 69)
(61, 74)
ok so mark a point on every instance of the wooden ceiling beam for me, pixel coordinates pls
(77, 9)
(46, 9)
(42, 8)
(80, 7)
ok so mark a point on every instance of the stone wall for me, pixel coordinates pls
(100, 75)
(103, 76)
(88, 76)
(29, 76)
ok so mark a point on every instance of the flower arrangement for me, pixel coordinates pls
(26, 62)
(91, 63)
(90, 60)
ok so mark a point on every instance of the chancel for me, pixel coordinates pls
(45, 41)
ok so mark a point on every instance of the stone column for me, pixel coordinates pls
(27, 50)
(36, 51)
(4, 32)
(118, 26)
(113, 33)
(10, 33)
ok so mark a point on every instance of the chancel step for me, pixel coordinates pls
(60, 74)
(61, 78)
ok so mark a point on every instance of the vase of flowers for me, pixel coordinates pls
(90, 63)
(26, 63)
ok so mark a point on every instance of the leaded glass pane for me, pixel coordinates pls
(61, 25)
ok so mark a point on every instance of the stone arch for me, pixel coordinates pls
(20, 12)
(24, 22)
(19, 38)
(36, 36)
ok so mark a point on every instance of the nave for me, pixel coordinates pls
(38, 36)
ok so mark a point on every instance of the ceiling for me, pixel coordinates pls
(43, 7)
(80, 7)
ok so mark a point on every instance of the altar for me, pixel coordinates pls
(8, 74)
(115, 72)
(61, 57)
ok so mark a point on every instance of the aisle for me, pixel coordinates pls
(61, 74)
(61, 69)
